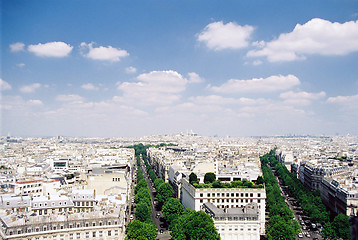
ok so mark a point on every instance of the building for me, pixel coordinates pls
(235, 223)
(224, 198)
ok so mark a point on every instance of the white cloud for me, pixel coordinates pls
(194, 78)
(4, 85)
(69, 98)
(17, 47)
(89, 87)
(20, 65)
(35, 102)
(30, 88)
(103, 53)
(51, 49)
(301, 98)
(156, 87)
(270, 84)
(256, 62)
(344, 99)
(131, 70)
(218, 36)
(317, 36)
(219, 100)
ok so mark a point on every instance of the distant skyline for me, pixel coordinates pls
(135, 68)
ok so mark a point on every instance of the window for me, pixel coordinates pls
(259, 195)
(78, 235)
(71, 235)
(201, 195)
(94, 234)
(208, 194)
(237, 195)
(93, 224)
(116, 232)
(109, 233)
(246, 194)
(100, 233)
(87, 234)
(251, 194)
(213, 194)
(232, 194)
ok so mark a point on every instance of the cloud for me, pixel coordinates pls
(344, 99)
(131, 70)
(301, 98)
(103, 53)
(219, 100)
(219, 36)
(20, 65)
(89, 87)
(270, 84)
(30, 88)
(69, 98)
(17, 47)
(317, 36)
(194, 78)
(51, 49)
(4, 85)
(35, 102)
(156, 87)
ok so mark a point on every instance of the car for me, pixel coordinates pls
(304, 227)
(308, 235)
(315, 238)
(161, 231)
(300, 235)
(131, 217)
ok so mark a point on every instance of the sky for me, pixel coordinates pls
(132, 68)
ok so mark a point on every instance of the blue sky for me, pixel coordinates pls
(133, 68)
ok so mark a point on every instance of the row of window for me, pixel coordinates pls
(79, 235)
(228, 200)
(230, 195)
(45, 228)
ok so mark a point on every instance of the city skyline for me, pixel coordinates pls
(135, 68)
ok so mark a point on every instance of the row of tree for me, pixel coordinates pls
(281, 224)
(142, 228)
(310, 202)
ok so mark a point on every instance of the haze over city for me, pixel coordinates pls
(134, 68)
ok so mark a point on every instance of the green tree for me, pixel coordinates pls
(157, 182)
(217, 184)
(172, 209)
(341, 226)
(209, 177)
(280, 229)
(141, 184)
(164, 192)
(194, 225)
(143, 212)
(193, 178)
(260, 180)
(328, 231)
(143, 195)
(137, 230)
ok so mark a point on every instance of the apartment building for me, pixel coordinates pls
(235, 223)
(224, 198)
(93, 225)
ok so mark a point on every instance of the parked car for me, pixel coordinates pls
(300, 235)
(308, 235)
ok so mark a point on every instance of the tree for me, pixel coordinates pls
(260, 180)
(341, 226)
(194, 225)
(217, 184)
(172, 209)
(137, 230)
(280, 229)
(328, 231)
(142, 183)
(143, 212)
(209, 177)
(164, 192)
(143, 195)
(193, 178)
(157, 182)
